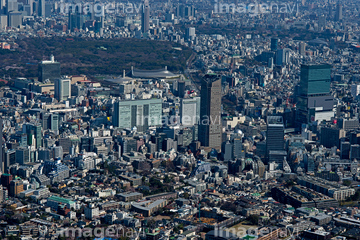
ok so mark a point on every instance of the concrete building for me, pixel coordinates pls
(139, 113)
(62, 88)
(210, 126)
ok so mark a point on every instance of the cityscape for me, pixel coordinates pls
(179, 120)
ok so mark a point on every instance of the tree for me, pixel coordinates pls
(347, 182)
(253, 219)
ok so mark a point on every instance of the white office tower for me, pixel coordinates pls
(355, 90)
(62, 89)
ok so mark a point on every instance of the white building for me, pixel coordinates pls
(91, 212)
(355, 90)
(62, 89)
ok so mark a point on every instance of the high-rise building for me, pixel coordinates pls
(91, 212)
(34, 135)
(49, 70)
(190, 111)
(3, 21)
(62, 89)
(145, 17)
(6, 178)
(355, 90)
(314, 100)
(330, 136)
(274, 134)
(41, 8)
(139, 113)
(210, 112)
(50, 121)
(11, 6)
(302, 48)
(338, 13)
(274, 44)
(14, 19)
(190, 34)
(16, 187)
(22, 155)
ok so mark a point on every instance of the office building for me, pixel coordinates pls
(76, 20)
(330, 136)
(41, 8)
(11, 6)
(314, 100)
(331, 189)
(345, 150)
(338, 13)
(14, 19)
(190, 111)
(3, 21)
(185, 11)
(274, 44)
(210, 126)
(54, 202)
(355, 90)
(50, 121)
(6, 178)
(274, 134)
(62, 89)
(22, 155)
(49, 70)
(145, 17)
(190, 34)
(16, 187)
(34, 135)
(91, 212)
(302, 48)
(139, 113)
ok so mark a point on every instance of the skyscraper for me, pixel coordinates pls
(41, 8)
(302, 48)
(274, 134)
(34, 135)
(139, 113)
(338, 14)
(49, 70)
(11, 6)
(190, 34)
(190, 111)
(314, 99)
(274, 44)
(210, 112)
(145, 17)
(62, 89)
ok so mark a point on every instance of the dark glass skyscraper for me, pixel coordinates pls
(274, 44)
(274, 134)
(210, 112)
(49, 70)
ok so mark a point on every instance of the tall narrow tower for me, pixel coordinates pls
(210, 112)
(145, 17)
